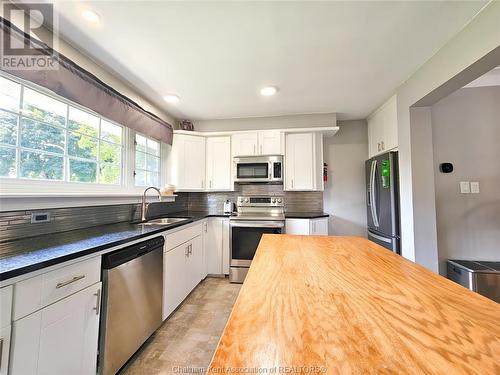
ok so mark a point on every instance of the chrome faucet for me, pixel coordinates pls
(144, 205)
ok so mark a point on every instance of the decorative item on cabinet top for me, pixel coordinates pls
(186, 125)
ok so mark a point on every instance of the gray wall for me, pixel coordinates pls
(344, 195)
(475, 41)
(466, 132)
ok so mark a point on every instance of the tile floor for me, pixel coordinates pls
(185, 343)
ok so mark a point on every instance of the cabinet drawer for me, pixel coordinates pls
(5, 306)
(42, 290)
(184, 235)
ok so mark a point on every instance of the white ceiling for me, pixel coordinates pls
(492, 78)
(344, 57)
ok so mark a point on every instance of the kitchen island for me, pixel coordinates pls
(344, 305)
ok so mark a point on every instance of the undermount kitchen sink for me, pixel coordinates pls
(165, 221)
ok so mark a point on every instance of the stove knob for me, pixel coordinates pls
(246, 200)
(279, 200)
(273, 200)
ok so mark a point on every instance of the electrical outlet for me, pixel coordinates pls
(474, 187)
(465, 187)
(40, 217)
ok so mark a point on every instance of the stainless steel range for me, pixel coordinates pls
(256, 215)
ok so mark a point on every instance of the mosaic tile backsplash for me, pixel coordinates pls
(17, 224)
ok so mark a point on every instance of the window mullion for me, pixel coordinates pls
(18, 140)
(98, 156)
(66, 146)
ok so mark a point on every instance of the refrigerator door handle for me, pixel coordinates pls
(380, 238)
(373, 201)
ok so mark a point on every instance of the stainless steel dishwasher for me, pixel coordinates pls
(132, 301)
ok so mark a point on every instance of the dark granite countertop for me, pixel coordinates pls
(305, 215)
(38, 252)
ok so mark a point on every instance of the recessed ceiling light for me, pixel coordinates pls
(90, 16)
(268, 91)
(171, 98)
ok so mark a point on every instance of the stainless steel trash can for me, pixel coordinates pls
(479, 276)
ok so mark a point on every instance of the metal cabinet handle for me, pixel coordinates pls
(190, 249)
(210, 184)
(378, 146)
(97, 307)
(292, 183)
(254, 151)
(187, 251)
(76, 278)
(383, 146)
(261, 149)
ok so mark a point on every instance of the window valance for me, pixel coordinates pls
(80, 86)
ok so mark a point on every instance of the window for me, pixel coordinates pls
(44, 138)
(147, 161)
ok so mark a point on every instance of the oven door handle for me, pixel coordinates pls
(256, 224)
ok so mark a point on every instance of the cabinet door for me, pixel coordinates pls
(194, 262)
(390, 139)
(244, 144)
(4, 349)
(194, 163)
(219, 163)
(271, 142)
(299, 163)
(214, 246)
(225, 246)
(319, 227)
(174, 278)
(298, 226)
(375, 134)
(60, 338)
(205, 237)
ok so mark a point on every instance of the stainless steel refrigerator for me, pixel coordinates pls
(382, 200)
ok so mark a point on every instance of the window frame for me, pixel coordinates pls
(146, 153)
(18, 186)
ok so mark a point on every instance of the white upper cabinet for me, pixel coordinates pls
(265, 142)
(271, 142)
(245, 144)
(219, 163)
(383, 128)
(304, 162)
(187, 162)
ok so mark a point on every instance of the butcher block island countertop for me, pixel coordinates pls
(344, 305)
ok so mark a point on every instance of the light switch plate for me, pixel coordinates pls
(474, 187)
(465, 187)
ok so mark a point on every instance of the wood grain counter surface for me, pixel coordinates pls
(344, 305)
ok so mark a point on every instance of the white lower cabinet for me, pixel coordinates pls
(213, 245)
(316, 227)
(4, 349)
(182, 270)
(216, 246)
(59, 339)
(225, 246)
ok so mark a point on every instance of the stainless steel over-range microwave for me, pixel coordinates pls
(258, 169)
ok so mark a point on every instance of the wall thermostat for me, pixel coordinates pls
(446, 167)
